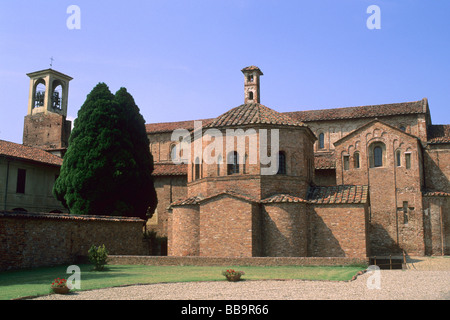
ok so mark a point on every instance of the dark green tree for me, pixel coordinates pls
(107, 167)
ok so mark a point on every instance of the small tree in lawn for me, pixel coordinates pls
(107, 167)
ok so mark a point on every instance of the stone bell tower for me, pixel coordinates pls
(45, 124)
(251, 84)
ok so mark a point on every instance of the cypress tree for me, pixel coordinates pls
(107, 167)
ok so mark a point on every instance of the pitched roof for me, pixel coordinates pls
(371, 111)
(439, 133)
(199, 199)
(171, 126)
(19, 151)
(169, 169)
(338, 194)
(252, 68)
(368, 124)
(283, 198)
(253, 113)
(324, 161)
(238, 115)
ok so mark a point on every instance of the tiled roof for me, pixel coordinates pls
(187, 201)
(431, 193)
(257, 113)
(65, 216)
(283, 198)
(252, 68)
(252, 113)
(169, 169)
(439, 133)
(171, 126)
(18, 151)
(338, 194)
(372, 111)
(199, 199)
(324, 161)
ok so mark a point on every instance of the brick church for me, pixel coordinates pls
(345, 182)
(349, 182)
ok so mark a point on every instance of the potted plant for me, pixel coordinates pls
(60, 286)
(233, 275)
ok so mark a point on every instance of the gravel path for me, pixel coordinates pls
(424, 279)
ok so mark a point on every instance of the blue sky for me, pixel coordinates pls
(181, 60)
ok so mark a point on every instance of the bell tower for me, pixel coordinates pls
(45, 125)
(251, 84)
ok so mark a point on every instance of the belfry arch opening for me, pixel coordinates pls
(57, 95)
(39, 93)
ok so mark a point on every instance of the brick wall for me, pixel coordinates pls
(46, 131)
(396, 222)
(437, 167)
(227, 228)
(185, 233)
(285, 229)
(338, 230)
(255, 261)
(30, 240)
(168, 189)
(437, 225)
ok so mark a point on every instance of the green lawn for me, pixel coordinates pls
(16, 284)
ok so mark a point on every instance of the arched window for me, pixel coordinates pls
(377, 157)
(377, 154)
(233, 163)
(39, 93)
(356, 162)
(281, 163)
(321, 141)
(57, 95)
(250, 95)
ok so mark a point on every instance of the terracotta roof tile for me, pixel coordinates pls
(338, 194)
(171, 126)
(325, 161)
(252, 113)
(169, 169)
(186, 201)
(65, 216)
(283, 198)
(439, 133)
(252, 68)
(199, 199)
(371, 111)
(18, 151)
(432, 193)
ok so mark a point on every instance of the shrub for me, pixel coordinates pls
(98, 256)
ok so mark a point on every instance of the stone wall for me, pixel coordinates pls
(29, 240)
